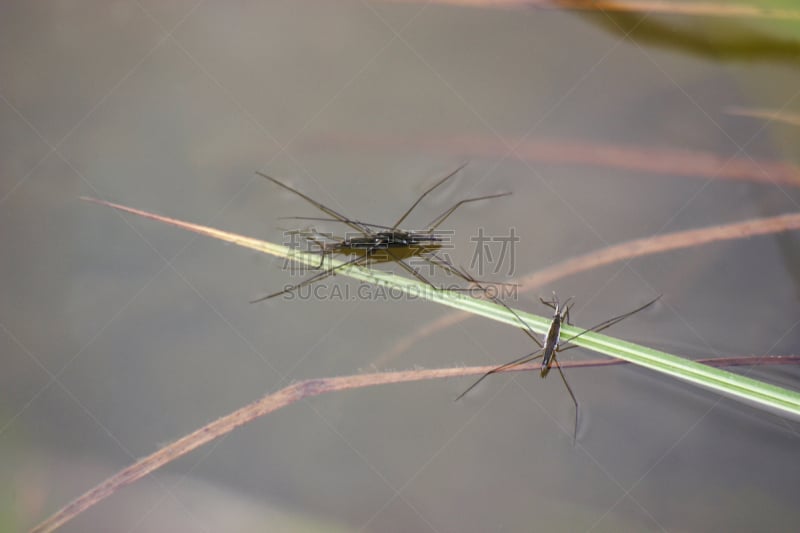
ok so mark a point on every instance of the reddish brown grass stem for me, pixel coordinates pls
(307, 389)
(708, 9)
(634, 158)
(613, 254)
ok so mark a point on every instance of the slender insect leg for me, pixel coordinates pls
(309, 237)
(325, 209)
(516, 362)
(423, 195)
(322, 251)
(436, 222)
(611, 321)
(436, 261)
(562, 348)
(312, 279)
(567, 309)
(526, 328)
(574, 400)
(414, 272)
(448, 267)
(549, 303)
(411, 270)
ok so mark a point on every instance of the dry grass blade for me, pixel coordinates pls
(629, 157)
(298, 391)
(614, 254)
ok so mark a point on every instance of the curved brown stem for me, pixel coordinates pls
(613, 254)
(707, 9)
(306, 389)
(638, 159)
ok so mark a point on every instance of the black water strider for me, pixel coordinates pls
(378, 243)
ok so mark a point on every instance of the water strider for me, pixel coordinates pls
(377, 242)
(551, 344)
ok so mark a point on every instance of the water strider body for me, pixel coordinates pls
(404, 243)
(375, 242)
(552, 339)
(551, 343)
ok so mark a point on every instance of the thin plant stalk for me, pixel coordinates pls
(293, 393)
(734, 385)
(613, 254)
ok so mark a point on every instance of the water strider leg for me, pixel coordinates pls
(423, 195)
(312, 279)
(574, 400)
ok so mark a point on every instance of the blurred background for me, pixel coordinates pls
(119, 335)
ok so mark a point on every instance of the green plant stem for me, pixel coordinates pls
(734, 385)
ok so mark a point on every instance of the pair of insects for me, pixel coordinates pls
(378, 243)
(391, 244)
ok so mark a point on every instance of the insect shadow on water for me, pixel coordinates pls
(552, 344)
(379, 243)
